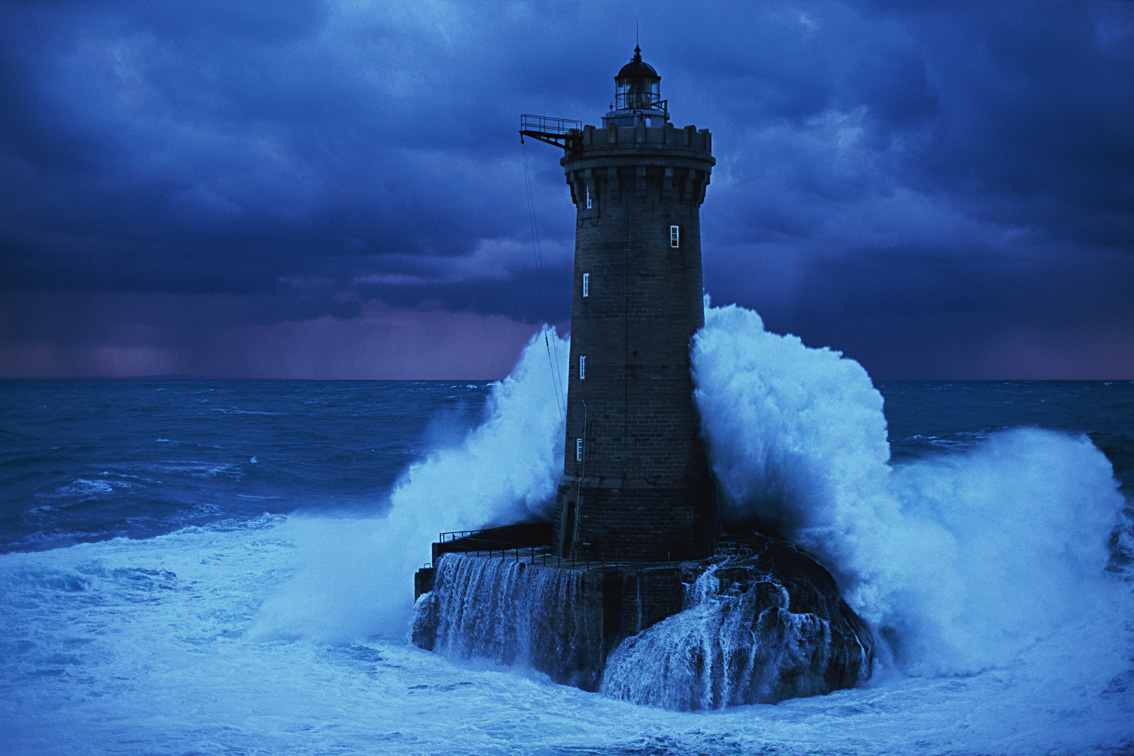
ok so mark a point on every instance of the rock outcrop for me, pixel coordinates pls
(757, 628)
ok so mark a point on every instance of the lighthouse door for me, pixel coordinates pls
(567, 544)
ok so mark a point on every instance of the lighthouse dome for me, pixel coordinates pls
(637, 68)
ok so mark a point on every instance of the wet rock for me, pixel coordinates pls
(757, 628)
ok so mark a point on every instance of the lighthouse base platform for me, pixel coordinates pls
(759, 622)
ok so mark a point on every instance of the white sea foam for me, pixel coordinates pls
(136, 648)
(356, 574)
(85, 489)
(961, 560)
(132, 647)
(984, 569)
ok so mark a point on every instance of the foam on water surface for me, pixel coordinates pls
(984, 569)
(142, 647)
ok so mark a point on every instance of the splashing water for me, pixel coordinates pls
(139, 644)
(355, 574)
(741, 645)
(960, 560)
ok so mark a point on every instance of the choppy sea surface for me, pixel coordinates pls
(154, 536)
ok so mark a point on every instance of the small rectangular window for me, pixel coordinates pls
(586, 284)
(582, 367)
(675, 236)
(578, 450)
(588, 198)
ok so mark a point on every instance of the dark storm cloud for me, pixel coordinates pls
(917, 184)
(1039, 115)
(966, 178)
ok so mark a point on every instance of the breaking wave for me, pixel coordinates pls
(355, 575)
(957, 559)
(960, 560)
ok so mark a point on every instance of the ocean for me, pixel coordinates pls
(222, 567)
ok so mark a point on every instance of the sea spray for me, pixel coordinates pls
(98, 658)
(960, 560)
(1015, 544)
(356, 575)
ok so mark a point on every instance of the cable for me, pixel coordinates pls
(557, 379)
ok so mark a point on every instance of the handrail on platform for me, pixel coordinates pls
(498, 546)
(561, 132)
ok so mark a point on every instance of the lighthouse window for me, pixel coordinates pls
(578, 450)
(582, 366)
(675, 236)
(586, 284)
(588, 198)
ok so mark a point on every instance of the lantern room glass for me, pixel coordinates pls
(636, 93)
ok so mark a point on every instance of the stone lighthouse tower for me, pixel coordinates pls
(636, 509)
(636, 483)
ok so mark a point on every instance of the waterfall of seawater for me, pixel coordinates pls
(513, 612)
(729, 647)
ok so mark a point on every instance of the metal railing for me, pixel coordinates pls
(730, 549)
(561, 132)
(543, 555)
(637, 101)
(537, 555)
(548, 124)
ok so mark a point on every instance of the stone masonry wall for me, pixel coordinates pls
(641, 489)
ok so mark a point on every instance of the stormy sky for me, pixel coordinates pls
(310, 189)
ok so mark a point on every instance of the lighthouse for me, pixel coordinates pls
(600, 597)
(636, 484)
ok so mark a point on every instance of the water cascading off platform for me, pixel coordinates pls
(760, 623)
